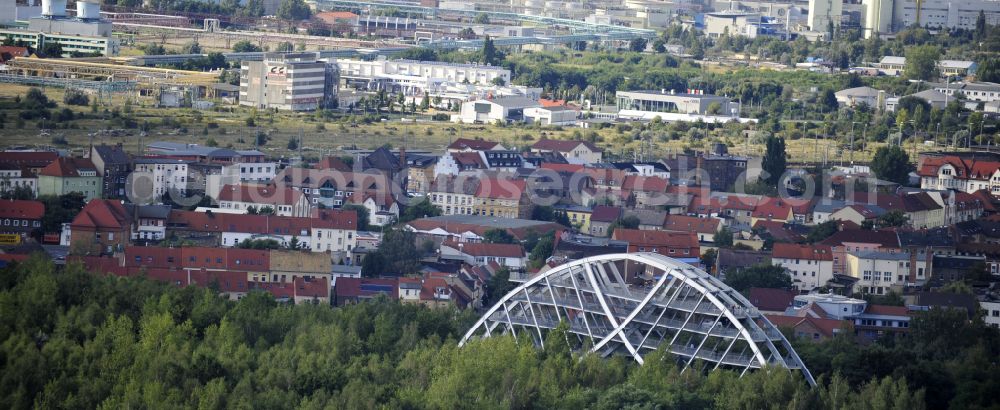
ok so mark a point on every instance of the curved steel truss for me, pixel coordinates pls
(635, 303)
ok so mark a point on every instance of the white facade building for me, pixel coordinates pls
(164, 174)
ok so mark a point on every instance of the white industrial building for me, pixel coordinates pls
(887, 16)
(407, 74)
(295, 82)
(669, 101)
(86, 33)
(498, 109)
(551, 115)
(824, 13)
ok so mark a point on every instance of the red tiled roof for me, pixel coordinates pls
(545, 144)
(562, 167)
(507, 250)
(352, 287)
(104, 214)
(429, 286)
(605, 213)
(67, 167)
(685, 223)
(471, 144)
(647, 184)
(774, 300)
(805, 252)
(262, 224)
(246, 260)
(772, 208)
(35, 159)
(864, 211)
(333, 163)
(17, 209)
(779, 230)
(920, 201)
(264, 195)
(886, 310)
(964, 168)
(828, 327)
(738, 203)
(656, 238)
(469, 159)
(500, 188)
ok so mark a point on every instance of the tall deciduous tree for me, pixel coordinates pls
(759, 276)
(891, 163)
(774, 162)
(921, 62)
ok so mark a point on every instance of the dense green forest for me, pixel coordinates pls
(76, 340)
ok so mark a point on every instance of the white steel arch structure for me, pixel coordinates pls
(637, 302)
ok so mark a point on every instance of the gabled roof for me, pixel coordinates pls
(605, 213)
(646, 184)
(264, 195)
(685, 223)
(858, 92)
(367, 287)
(656, 238)
(469, 160)
(333, 163)
(17, 209)
(545, 144)
(803, 252)
(500, 188)
(781, 231)
(774, 300)
(918, 202)
(34, 159)
(562, 167)
(772, 208)
(828, 327)
(648, 217)
(261, 224)
(112, 154)
(102, 214)
(64, 167)
(474, 145)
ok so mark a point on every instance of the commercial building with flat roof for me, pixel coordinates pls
(294, 82)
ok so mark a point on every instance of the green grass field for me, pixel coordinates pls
(227, 126)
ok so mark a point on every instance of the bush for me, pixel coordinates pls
(441, 117)
(76, 97)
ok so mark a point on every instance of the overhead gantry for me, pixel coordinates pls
(636, 303)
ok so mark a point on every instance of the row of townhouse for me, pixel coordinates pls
(107, 226)
(295, 276)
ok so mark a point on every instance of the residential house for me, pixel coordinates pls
(601, 219)
(288, 266)
(809, 266)
(705, 228)
(857, 213)
(770, 300)
(503, 198)
(924, 210)
(961, 173)
(454, 195)
(283, 201)
(649, 220)
(772, 209)
(103, 226)
(22, 218)
(155, 177)
(65, 175)
(13, 176)
(881, 320)
(879, 273)
(511, 256)
(650, 192)
(420, 173)
(466, 145)
(114, 166)
(811, 328)
(332, 188)
(922, 245)
(735, 260)
(859, 95)
(328, 230)
(578, 216)
(672, 244)
(503, 160)
(460, 163)
(33, 161)
(383, 210)
(356, 290)
(150, 222)
(961, 206)
(857, 241)
(575, 152)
